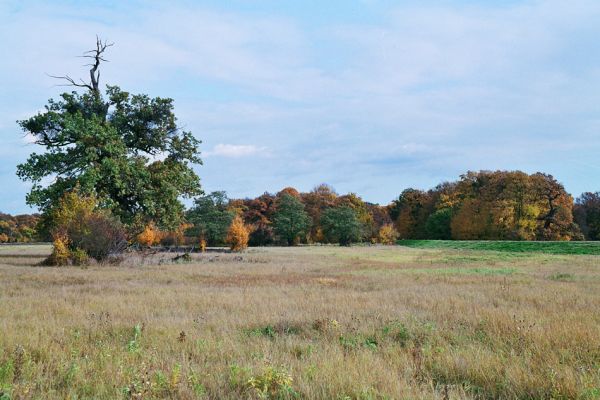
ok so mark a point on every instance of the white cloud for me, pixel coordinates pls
(236, 150)
(415, 96)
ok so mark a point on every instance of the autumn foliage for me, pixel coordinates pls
(80, 230)
(150, 236)
(238, 234)
(387, 234)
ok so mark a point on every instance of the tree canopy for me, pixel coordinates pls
(290, 220)
(341, 225)
(125, 149)
(211, 217)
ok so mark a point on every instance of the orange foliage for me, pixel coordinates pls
(238, 234)
(3, 238)
(176, 237)
(150, 236)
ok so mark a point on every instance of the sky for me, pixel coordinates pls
(370, 96)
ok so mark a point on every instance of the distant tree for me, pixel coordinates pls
(361, 209)
(500, 205)
(126, 150)
(316, 202)
(438, 224)
(19, 228)
(258, 212)
(290, 220)
(341, 225)
(238, 234)
(410, 212)
(210, 218)
(587, 214)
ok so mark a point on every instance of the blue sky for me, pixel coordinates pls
(369, 96)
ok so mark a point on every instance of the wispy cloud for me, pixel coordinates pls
(373, 102)
(236, 150)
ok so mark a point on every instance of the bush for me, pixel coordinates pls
(175, 237)
(387, 234)
(104, 236)
(79, 257)
(238, 234)
(61, 255)
(149, 236)
(80, 231)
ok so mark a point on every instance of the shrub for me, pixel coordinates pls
(149, 236)
(80, 230)
(3, 238)
(103, 236)
(175, 237)
(238, 234)
(272, 383)
(79, 257)
(387, 234)
(61, 255)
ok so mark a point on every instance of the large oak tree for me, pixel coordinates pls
(125, 149)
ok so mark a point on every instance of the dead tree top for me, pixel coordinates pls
(96, 55)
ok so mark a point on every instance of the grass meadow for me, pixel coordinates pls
(322, 322)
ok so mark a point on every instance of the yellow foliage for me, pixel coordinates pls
(3, 238)
(149, 236)
(61, 255)
(202, 245)
(387, 234)
(72, 212)
(272, 383)
(238, 234)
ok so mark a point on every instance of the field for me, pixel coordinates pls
(508, 246)
(365, 322)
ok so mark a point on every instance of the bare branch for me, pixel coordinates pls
(97, 56)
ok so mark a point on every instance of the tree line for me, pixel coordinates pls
(114, 167)
(484, 205)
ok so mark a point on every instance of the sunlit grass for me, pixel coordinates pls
(311, 322)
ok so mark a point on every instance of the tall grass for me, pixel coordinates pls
(310, 323)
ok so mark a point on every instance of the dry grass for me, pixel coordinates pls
(312, 322)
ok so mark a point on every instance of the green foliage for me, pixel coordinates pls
(108, 146)
(273, 383)
(290, 220)
(341, 225)
(210, 218)
(133, 346)
(438, 224)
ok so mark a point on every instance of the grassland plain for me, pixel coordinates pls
(310, 322)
